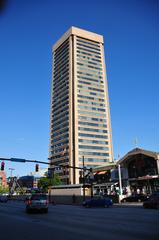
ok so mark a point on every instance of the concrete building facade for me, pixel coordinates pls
(80, 126)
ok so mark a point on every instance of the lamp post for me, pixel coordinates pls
(120, 184)
(11, 182)
(11, 170)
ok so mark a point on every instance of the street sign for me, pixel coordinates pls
(18, 160)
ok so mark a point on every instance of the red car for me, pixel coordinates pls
(152, 202)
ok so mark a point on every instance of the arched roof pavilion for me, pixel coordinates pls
(136, 151)
(140, 163)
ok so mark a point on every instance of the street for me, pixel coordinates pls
(75, 222)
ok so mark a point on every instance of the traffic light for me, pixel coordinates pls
(37, 168)
(2, 166)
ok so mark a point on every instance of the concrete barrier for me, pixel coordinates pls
(64, 199)
(67, 199)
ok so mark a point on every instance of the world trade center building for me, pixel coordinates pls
(80, 126)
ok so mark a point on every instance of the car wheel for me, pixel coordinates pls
(88, 206)
(27, 210)
(157, 206)
(46, 210)
(106, 206)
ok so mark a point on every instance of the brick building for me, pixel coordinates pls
(3, 179)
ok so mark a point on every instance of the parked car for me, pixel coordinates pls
(152, 201)
(98, 202)
(135, 198)
(3, 198)
(37, 202)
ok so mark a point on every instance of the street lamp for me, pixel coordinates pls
(11, 170)
(120, 184)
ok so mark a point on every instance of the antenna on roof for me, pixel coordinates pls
(136, 142)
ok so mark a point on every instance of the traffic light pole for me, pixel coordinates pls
(21, 160)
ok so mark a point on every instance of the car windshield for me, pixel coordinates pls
(39, 197)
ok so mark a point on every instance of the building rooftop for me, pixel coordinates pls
(80, 33)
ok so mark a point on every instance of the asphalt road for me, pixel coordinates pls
(75, 222)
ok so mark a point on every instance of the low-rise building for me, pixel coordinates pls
(3, 179)
(143, 170)
(139, 173)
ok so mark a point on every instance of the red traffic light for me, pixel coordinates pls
(37, 168)
(2, 166)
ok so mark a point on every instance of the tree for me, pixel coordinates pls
(46, 182)
(21, 190)
(4, 189)
(56, 180)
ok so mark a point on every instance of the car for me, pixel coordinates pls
(152, 201)
(37, 202)
(3, 198)
(135, 198)
(98, 202)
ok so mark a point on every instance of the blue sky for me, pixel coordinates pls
(28, 29)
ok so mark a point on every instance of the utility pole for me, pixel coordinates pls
(91, 177)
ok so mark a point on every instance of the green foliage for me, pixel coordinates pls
(4, 189)
(46, 182)
(56, 180)
(21, 190)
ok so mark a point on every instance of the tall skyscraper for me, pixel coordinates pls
(80, 124)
